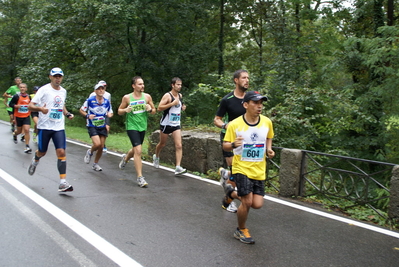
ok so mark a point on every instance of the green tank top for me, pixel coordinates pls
(11, 91)
(137, 118)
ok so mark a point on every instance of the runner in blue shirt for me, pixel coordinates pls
(96, 109)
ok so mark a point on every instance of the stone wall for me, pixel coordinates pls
(201, 151)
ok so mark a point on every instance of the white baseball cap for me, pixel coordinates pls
(98, 86)
(55, 71)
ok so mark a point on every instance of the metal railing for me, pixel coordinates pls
(273, 171)
(344, 181)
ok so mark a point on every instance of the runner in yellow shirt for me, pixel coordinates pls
(250, 138)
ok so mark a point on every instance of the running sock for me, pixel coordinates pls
(61, 164)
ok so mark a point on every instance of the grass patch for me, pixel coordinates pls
(3, 112)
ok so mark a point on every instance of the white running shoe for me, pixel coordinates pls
(141, 182)
(97, 167)
(155, 161)
(28, 150)
(65, 187)
(179, 170)
(32, 166)
(87, 157)
(232, 207)
(123, 162)
(224, 175)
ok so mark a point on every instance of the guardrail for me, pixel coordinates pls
(344, 181)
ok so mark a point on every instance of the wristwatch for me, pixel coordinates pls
(233, 145)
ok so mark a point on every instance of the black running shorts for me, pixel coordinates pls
(166, 129)
(93, 131)
(22, 121)
(246, 185)
(136, 137)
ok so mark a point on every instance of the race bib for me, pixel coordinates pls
(138, 106)
(98, 121)
(174, 118)
(23, 109)
(253, 152)
(55, 114)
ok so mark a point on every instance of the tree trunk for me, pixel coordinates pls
(221, 40)
(390, 12)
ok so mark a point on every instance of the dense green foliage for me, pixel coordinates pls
(330, 69)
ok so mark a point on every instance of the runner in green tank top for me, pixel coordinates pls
(136, 105)
(137, 118)
(7, 98)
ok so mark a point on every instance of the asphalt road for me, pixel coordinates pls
(177, 221)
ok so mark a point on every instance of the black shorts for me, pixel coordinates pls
(58, 137)
(246, 185)
(10, 112)
(93, 131)
(22, 121)
(136, 137)
(34, 114)
(166, 129)
(225, 153)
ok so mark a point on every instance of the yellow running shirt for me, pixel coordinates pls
(250, 158)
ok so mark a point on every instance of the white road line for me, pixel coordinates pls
(334, 217)
(95, 240)
(75, 253)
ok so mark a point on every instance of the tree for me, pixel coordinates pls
(115, 40)
(371, 58)
(329, 69)
(12, 16)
